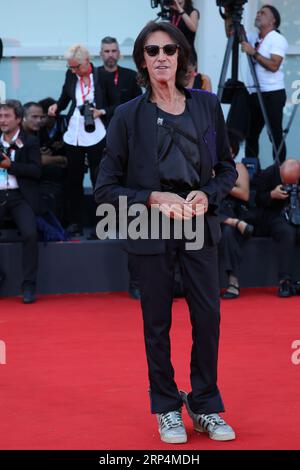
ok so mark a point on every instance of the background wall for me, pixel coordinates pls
(36, 37)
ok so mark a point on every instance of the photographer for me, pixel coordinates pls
(85, 134)
(275, 199)
(186, 18)
(20, 170)
(268, 47)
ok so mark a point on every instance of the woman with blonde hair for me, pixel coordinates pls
(83, 89)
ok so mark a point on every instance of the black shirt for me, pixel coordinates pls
(178, 153)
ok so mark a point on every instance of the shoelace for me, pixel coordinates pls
(169, 420)
(213, 420)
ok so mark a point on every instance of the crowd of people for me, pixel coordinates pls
(63, 149)
(67, 149)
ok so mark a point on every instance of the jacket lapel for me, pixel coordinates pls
(19, 148)
(145, 142)
(73, 87)
(97, 88)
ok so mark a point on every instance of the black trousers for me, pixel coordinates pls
(133, 275)
(286, 236)
(274, 103)
(76, 165)
(156, 282)
(13, 203)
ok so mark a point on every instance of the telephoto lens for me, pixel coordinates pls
(89, 123)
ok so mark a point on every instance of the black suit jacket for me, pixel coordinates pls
(115, 94)
(130, 166)
(69, 92)
(26, 167)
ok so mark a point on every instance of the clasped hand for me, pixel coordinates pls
(176, 207)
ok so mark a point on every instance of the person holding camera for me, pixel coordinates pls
(186, 18)
(20, 170)
(281, 219)
(268, 48)
(85, 135)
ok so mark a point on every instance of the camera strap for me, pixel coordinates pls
(116, 78)
(172, 128)
(176, 21)
(173, 132)
(258, 43)
(82, 86)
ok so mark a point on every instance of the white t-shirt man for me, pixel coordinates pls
(272, 43)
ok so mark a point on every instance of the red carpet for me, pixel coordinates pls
(76, 378)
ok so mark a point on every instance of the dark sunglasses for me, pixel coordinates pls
(169, 49)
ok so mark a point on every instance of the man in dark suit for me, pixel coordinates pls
(275, 200)
(82, 84)
(36, 123)
(20, 170)
(119, 83)
(169, 149)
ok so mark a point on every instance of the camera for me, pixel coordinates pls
(163, 3)
(3, 152)
(166, 8)
(87, 113)
(230, 3)
(292, 212)
(233, 9)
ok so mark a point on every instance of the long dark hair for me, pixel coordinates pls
(178, 38)
(276, 15)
